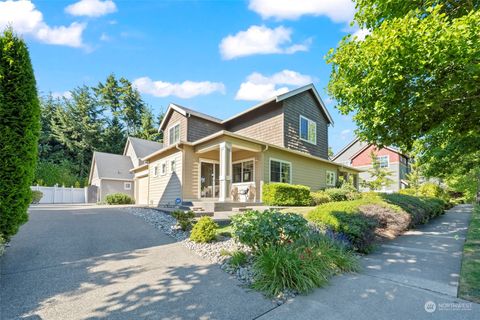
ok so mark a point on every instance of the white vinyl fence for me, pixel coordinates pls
(62, 194)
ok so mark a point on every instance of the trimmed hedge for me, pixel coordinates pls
(343, 194)
(346, 217)
(284, 194)
(320, 197)
(119, 198)
(421, 209)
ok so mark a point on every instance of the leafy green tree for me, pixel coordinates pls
(78, 126)
(380, 177)
(19, 132)
(414, 82)
(414, 176)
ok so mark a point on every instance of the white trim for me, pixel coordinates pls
(173, 162)
(214, 162)
(163, 168)
(281, 161)
(334, 178)
(383, 156)
(309, 121)
(115, 179)
(179, 133)
(125, 186)
(253, 172)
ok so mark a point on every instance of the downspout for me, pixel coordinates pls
(177, 146)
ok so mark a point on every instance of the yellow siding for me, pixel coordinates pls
(305, 171)
(164, 189)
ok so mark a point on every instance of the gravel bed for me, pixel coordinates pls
(210, 251)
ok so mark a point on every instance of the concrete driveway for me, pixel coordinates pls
(413, 277)
(83, 262)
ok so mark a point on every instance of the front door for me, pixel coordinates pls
(209, 179)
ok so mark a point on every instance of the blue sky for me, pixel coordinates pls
(218, 57)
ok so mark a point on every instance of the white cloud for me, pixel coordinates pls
(260, 40)
(259, 87)
(187, 89)
(336, 10)
(360, 34)
(91, 8)
(27, 20)
(65, 94)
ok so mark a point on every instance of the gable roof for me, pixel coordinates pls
(287, 95)
(186, 111)
(142, 147)
(339, 153)
(348, 146)
(112, 166)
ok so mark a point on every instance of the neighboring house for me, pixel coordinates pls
(358, 154)
(208, 160)
(110, 173)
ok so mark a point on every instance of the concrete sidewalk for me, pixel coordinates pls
(413, 277)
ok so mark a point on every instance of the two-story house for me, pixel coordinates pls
(357, 154)
(208, 160)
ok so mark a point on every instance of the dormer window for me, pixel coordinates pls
(308, 130)
(174, 134)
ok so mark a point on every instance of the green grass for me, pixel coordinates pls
(470, 274)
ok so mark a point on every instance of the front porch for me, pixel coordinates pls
(226, 173)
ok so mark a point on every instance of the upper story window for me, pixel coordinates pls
(383, 161)
(308, 130)
(243, 171)
(173, 166)
(163, 168)
(280, 171)
(174, 134)
(330, 178)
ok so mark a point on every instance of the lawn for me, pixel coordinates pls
(470, 274)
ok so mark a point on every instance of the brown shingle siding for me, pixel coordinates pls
(264, 124)
(304, 104)
(200, 128)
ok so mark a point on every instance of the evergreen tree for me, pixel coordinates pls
(78, 127)
(380, 176)
(149, 127)
(19, 132)
(49, 148)
(114, 137)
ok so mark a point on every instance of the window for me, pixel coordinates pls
(243, 171)
(280, 171)
(173, 166)
(383, 161)
(174, 134)
(331, 177)
(155, 171)
(127, 186)
(163, 168)
(308, 130)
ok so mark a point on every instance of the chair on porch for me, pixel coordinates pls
(234, 193)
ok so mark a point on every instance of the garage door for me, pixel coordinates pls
(142, 190)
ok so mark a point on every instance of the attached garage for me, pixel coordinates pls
(141, 190)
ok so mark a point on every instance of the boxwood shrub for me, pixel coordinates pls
(284, 194)
(205, 230)
(258, 229)
(119, 198)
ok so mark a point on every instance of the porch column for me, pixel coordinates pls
(225, 168)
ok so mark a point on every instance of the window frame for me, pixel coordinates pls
(241, 170)
(380, 163)
(173, 126)
(155, 170)
(163, 168)
(125, 185)
(327, 172)
(309, 122)
(173, 165)
(280, 161)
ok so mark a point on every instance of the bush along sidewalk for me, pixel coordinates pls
(469, 287)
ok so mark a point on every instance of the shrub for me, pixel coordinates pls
(421, 209)
(432, 190)
(343, 194)
(284, 194)
(119, 198)
(184, 218)
(320, 197)
(409, 191)
(204, 230)
(36, 196)
(259, 229)
(300, 266)
(346, 217)
(19, 132)
(238, 258)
